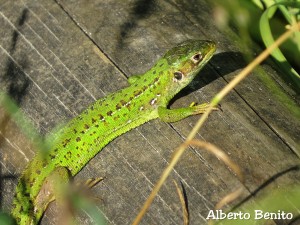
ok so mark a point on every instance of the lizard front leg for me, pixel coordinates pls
(174, 115)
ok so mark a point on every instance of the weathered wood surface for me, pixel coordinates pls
(57, 57)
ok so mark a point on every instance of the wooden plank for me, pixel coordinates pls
(61, 56)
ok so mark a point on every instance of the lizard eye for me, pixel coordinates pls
(197, 58)
(178, 75)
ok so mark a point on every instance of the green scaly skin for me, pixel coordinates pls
(83, 137)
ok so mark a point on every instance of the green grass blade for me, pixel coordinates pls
(268, 39)
(20, 119)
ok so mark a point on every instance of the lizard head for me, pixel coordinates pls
(183, 63)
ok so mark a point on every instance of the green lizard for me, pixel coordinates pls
(83, 137)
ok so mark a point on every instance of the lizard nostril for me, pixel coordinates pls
(197, 58)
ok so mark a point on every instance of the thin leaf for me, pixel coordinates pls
(268, 40)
